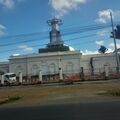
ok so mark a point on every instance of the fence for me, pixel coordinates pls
(77, 75)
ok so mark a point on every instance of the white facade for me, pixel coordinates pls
(98, 62)
(47, 63)
(70, 62)
(4, 67)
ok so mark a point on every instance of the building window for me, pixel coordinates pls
(69, 67)
(35, 70)
(44, 69)
(18, 70)
(52, 68)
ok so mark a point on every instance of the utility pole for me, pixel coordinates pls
(116, 53)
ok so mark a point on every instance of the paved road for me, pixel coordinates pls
(81, 111)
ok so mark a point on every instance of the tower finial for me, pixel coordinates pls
(55, 36)
(54, 23)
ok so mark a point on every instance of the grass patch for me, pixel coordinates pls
(114, 92)
(10, 99)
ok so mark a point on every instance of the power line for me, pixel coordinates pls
(46, 44)
(33, 40)
(9, 50)
(74, 32)
(91, 35)
(81, 29)
(93, 25)
(86, 29)
(18, 42)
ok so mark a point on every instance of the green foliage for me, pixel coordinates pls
(114, 92)
(10, 99)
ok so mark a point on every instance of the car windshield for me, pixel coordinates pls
(12, 75)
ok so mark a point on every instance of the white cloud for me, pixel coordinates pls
(2, 30)
(71, 48)
(110, 49)
(111, 45)
(62, 7)
(9, 3)
(25, 48)
(104, 15)
(99, 42)
(15, 54)
(87, 52)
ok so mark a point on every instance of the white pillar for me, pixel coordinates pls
(60, 74)
(106, 70)
(60, 69)
(40, 76)
(2, 79)
(20, 77)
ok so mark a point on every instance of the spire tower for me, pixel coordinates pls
(55, 35)
(56, 43)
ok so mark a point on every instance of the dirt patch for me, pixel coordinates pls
(37, 95)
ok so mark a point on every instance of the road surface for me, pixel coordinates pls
(78, 111)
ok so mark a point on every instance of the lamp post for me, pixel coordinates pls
(116, 54)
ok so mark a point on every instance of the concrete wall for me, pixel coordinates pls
(98, 61)
(48, 63)
(70, 62)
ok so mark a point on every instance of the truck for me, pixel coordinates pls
(9, 78)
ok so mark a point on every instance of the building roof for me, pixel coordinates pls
(48, 54)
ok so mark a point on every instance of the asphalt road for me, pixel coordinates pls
(81, 111)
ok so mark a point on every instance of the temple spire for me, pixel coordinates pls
(55, 35)
(56, 43)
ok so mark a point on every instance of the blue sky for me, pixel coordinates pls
(24, 17)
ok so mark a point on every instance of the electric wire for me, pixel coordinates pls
(78, 30)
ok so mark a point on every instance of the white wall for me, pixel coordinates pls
(99, 61)
(47, 63)
(70, 62)
(4, 67)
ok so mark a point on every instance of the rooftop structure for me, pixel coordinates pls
(56, 42)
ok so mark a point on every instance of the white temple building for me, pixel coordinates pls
(57, 59)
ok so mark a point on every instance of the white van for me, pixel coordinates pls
(10, 78)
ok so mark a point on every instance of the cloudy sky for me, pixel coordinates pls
(23, 27)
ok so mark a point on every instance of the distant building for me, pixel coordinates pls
(48, 63)
(4, 67)
(57, 57)
(96, 63)
(50, 60)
